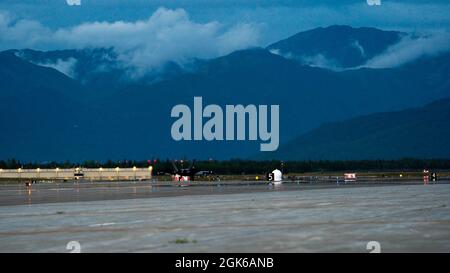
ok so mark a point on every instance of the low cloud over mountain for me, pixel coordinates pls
(167, 35)
(344, 47)
(410, 48)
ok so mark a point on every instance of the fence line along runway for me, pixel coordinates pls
(412, 218)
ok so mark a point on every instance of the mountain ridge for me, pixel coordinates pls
(134, 116)
(340, 46)
(421, 132)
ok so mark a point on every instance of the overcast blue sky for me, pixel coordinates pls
(275, 19)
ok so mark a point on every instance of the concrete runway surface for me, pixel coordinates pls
(249, 218)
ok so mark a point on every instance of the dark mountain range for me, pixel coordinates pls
(419, 132)
(48, 115)
(337, 46)
(96, 68)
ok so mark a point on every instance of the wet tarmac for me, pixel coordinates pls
(19, 194)
(240, 217)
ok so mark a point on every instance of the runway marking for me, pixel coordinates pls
(120, 223)
(102, 225)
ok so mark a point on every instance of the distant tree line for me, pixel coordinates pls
(240, 166)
